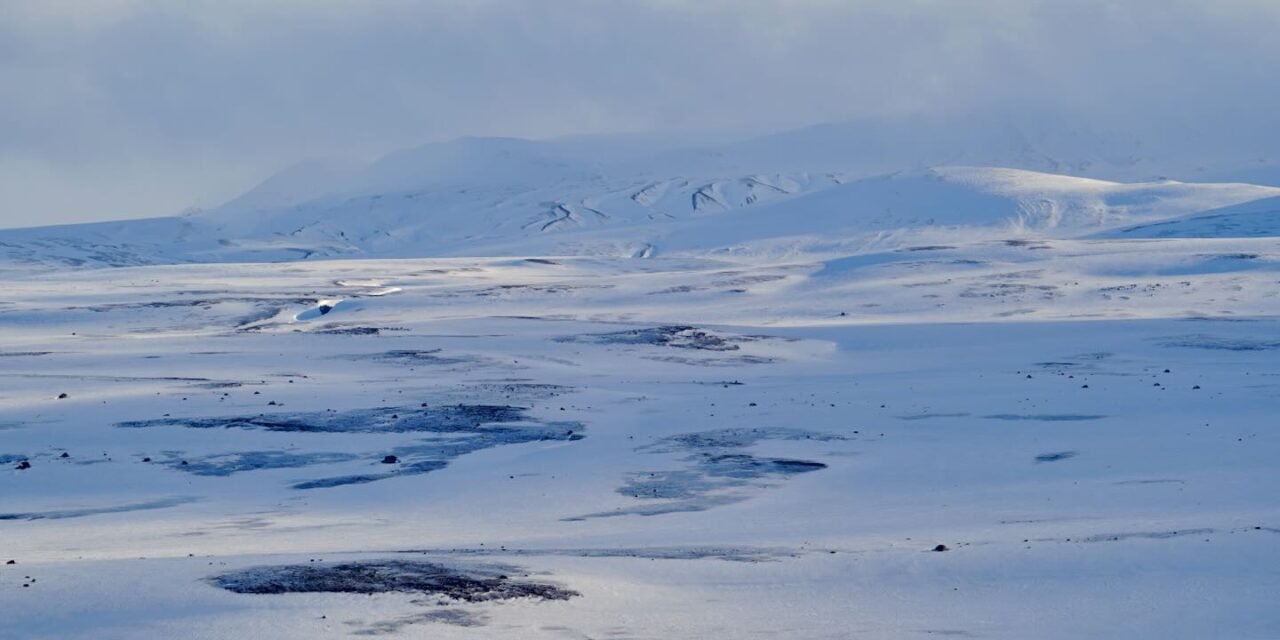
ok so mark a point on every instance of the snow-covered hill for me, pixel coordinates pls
(483, 196)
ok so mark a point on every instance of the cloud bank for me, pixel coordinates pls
(125, 108)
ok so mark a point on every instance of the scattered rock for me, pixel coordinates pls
(942, 547)
(23, 465)
(390, 460)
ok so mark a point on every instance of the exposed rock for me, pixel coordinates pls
(476, 584)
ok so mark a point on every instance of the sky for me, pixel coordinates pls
(128, 108)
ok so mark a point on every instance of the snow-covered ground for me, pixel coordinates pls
(954, 402)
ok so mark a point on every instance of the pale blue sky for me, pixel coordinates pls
(125, 108)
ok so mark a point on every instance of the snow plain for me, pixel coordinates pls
(716, 405)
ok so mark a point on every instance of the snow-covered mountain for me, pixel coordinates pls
(497, 196)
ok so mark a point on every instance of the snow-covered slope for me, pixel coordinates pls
(910, 208)
(504, 197)
(1254, 218)
(1003, 438)
(299, 183)
(749, 392)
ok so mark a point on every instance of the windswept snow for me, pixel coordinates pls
(494, 388)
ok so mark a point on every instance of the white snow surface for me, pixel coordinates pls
(712, 403)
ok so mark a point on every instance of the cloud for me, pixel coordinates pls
(133, 107)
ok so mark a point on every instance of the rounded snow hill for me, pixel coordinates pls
(506, 197)
(976, 199)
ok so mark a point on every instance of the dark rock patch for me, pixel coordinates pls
(1044, 417)
(225, 464)
(733, 438)
(415, 357)
(932, 247)
(505, 290)
(735, 361)
(719, 471)
(428, 455)
(204, 303)
(515, 390)
(218, 385)
(671, 485)
(680, 337)
(1222, 344)
(433, 419)
(741, 465)
(340, 481)
(1055, 456)
(432, 455)
(350, 331)
(456, 430)
(473, 584)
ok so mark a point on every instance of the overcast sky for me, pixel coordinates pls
(127, 108)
